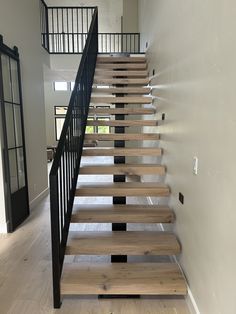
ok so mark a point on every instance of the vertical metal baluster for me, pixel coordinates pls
(53, 39)
(82, 20)
(73, 38)
(130, 42)
(67, 28)
(87, 28)
(57, 30)
(60, 202)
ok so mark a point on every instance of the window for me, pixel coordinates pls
(60, 110)
(103, 128)
(60, 86)
(58, 127)
(72, 85)
(90, 128)
(60, 114)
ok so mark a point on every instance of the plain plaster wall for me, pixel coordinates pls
(192, 48)
(20, 26)
(130, 16)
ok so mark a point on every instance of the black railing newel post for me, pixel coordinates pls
(55, 239)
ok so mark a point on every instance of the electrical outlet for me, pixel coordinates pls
(163, 116)
(195, 166)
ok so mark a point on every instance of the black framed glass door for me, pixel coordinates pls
(12, 138)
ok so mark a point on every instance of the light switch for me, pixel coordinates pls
(195, 165)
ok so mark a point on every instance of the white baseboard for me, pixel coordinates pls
(192, 305)
(3, 227)
(38, 198)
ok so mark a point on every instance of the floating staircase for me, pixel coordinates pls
(124, 98)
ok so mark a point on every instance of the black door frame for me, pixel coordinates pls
(14, 54)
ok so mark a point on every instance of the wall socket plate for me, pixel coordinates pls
(195, 165)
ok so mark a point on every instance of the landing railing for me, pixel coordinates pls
(65, 30)
(65, 168)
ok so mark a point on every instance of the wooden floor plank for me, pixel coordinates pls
(125, 111)
(111, 59)
(125, 123)
(129, 152)
(122, 137)
(104, 213)
(122, 243)
(123, 169)
(123, 66)
(121, 100)
(121, 81)
(119, 278)
(123, 90)
(120, 73)
(122, 189)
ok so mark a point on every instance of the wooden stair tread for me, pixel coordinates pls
(111, 59)
(123, 90)
(121, 100)
(123, 81)
(122, 189)
(122, 243)
(121, 73)
(103, 213)
(123, 66)
(107, 151)
(125, 111)
(123, 278)
(125, 169)
(122, 136)
(125, 123)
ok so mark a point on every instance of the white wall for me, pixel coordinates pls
(192, 47)
(130, 16)
(19, 25)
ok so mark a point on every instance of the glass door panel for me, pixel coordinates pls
(13, 138)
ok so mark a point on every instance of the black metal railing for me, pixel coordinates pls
(44, 24)
(119, 42)
(65, 30)
(65, 168)
(71, 43)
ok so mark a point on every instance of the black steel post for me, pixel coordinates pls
(119, 178)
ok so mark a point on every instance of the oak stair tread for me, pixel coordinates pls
(121, 100)
(129, 152)
(122, 189)
(106, 213)
(123, 90)
(123, 278)
(122, 136)
(121, 73)
(112, 59)
(125, 123)
(123, 66)
(122, 81)
(122, 243)
(125, 111)
(123, 169)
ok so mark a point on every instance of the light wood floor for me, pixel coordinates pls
(25, 277)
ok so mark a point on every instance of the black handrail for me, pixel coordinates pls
(66, 164)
